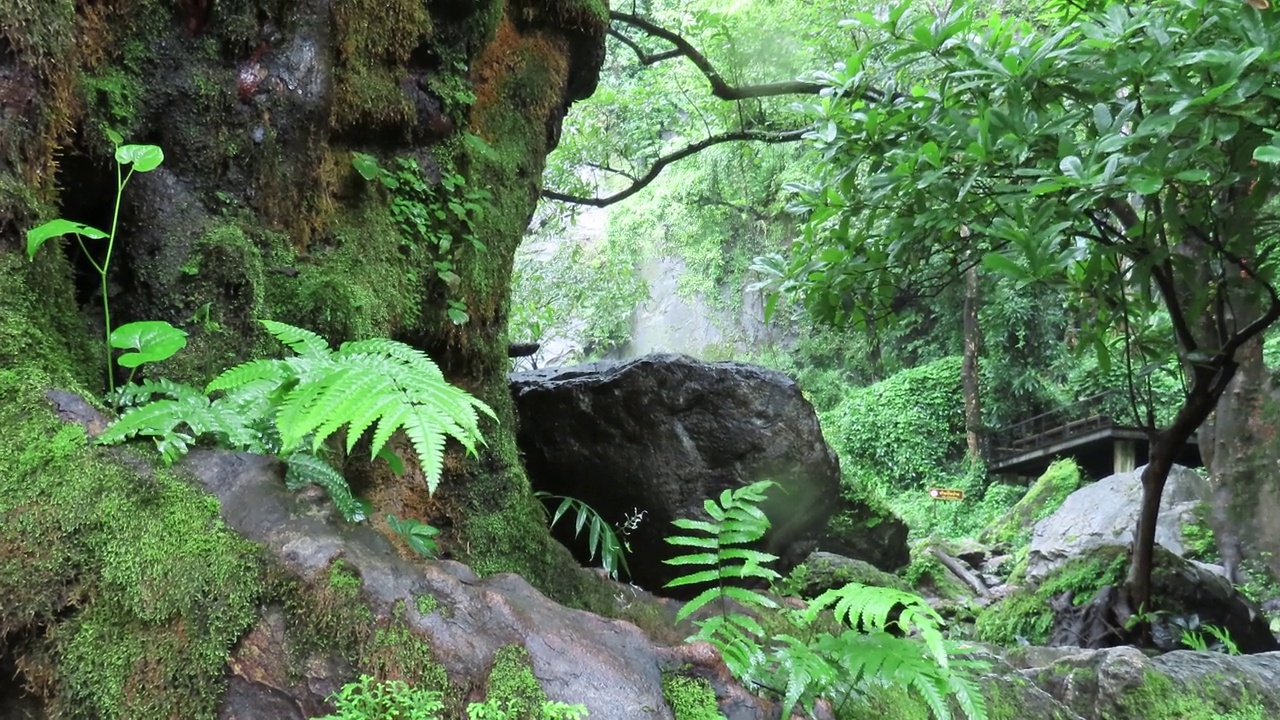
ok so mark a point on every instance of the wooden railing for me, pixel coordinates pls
(1078, 418)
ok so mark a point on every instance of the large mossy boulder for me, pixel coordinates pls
(1125, 684)
(1106, 513)
(662, 433)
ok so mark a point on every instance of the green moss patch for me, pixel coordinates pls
(1044, 497)
(690, 698)
(1025, 614)
(128, 579)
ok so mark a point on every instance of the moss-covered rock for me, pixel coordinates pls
(1024, 615)
(822, 571)
(125, 589)
(1043, 497)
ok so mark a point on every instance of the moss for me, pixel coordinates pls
(375, 40)
(926, 572)
(882, 701)
(512, 686)
(1198, 537)
(1025, 614)
(40, 32)
(159, 587)
(690, 698)
(426, 604)
(1159, 698)
(1044, 497)
(814, 576)
(355, 285)
(39, 322)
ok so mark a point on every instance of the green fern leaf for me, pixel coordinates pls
(305, 468)
(303, 342)
(247, 373)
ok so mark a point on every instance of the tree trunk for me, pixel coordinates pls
(1232, 444)
(1206, 388)
(975, 437)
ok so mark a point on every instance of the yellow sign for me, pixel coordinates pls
(946, 494)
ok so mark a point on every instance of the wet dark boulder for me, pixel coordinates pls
(662, 433)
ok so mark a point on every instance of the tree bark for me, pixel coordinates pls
(975, 437)
(1232, 446)
(1165, 444)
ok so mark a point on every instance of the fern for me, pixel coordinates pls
(835, 666)
(290, 406)
(736, 520)
(305, 468)
(362, 383)
(601, 537)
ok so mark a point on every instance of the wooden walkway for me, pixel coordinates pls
(1099, 444)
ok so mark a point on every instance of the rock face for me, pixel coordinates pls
(1124, 684)
(608, 665)
(1106, 513)
(663, 433)
(1188, 596)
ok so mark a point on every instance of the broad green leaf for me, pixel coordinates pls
(366, 165)
(1101, 117)
(1145, 184)
(57, 228)
(151, 341)
(1071, 166)
(1003, 265)
(144, 158)
(113, 136)
(1267, 154)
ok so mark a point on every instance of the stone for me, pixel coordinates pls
(1123, 683)
(1106, 513)
(663, 433)
(1185, 594)
(822, 571)
(610, 666)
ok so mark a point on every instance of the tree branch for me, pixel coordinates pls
(644, 57)
(665, 160)
(683, 48)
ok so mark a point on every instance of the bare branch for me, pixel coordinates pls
(682, 153)
(644, 57)
(719, 88)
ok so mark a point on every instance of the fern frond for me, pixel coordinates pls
(161, 420)
(366, 382)
(601, 536)
(406, 354)
(138, 393)
(303, 342)
(253, 371)
(306, 468)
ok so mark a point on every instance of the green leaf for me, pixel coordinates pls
(1267, 154)
(1194, 175)
(1072, 167)
(144, 158)
(1101, 117)
(151, 341)
(368, 167)
(393, 460)
(996, 262)
(57, 228)
(113, 136)
(1145, 184)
